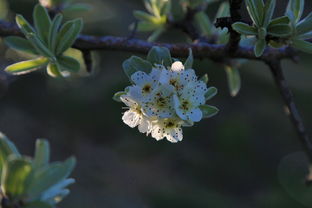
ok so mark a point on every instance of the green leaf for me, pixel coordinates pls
(254, 12)
(204, 78)
(24, 25)
(134, 64)
(26, 66)
(189, 61)
(68, 34)
(297, 7)
(203, 23)
(42, 154)
(302, 45)
(20, 44)
(208, 111)
(68, 63)
(305, 36)
(259, 47)
(211, 92)
(269, 10)
(54, 70)
(117, 95)
(259, 5)
(56, 23)
(234, 80)
(224, 10)
(42, 22)
(78, 7)
(305, 25)
(244, 29)
(279, 30)
(50, 176)
(279, 20)
(143, 16)
(15, 178)
(40, 46)
(159, 55)
(144, 26)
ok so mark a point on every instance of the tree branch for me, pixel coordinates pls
(293, 112)
(200, 50)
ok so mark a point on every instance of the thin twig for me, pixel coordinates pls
(293, 112)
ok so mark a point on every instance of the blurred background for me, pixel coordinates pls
(230, 160)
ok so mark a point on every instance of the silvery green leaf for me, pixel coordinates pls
(26, 66)
(204, 78)
(279, 30)
(15, 177)
(279, 20)
(24, 25)
(208, 111)
(159, 55)
(56, 189)
(20, 44)
(305, 25)
(140, 15)
(40, 46)
(224, 10)
(244, 29)
(68, 34)
(144, 26)
(78, 7)
(254, 12)
(117, 95)
(268, 11)
(305, 36)
(42, 154)
(42, 22)
(189, 61)
(68, 63)
(297, 7)
(234, 80)
(259, 47)
(134, 64)
(56, 23)
(54, 70)
(211, 92)
(259, 5)
(302, 45)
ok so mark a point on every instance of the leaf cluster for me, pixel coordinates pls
(32, 182)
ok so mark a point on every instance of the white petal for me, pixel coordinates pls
(157, 132)
(126, 99)
(195, 115)
(140, 78)
(131, 118)
(187, 77)
(177, 108)
(177, 66)
(155, 75)
(164, 77)
(144, 126)
(175, 135)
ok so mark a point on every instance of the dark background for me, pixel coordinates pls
(230, 160)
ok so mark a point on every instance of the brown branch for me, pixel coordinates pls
(293, 112)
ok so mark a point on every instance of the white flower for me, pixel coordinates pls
(134, 116)
(160, 102)
(187, 104)
(169, 128)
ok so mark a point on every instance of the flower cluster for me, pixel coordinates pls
(165, 98)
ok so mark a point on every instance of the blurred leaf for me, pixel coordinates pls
(234, 80)
(56, 23)
(54, 70)
(305, 36)
(155, 35)
(117, 95)
(204, 23)
(25, 27)
(296, 7)
(42, 154)
(279, 30)
(211, 92)
(134, 64)
(268, 11)
(68, 64)
(68, 34)
(204, 78)
(26, 66)
(189, 61)
(15, 177)
(20, 44)
(279, 20)
(42, 22)
(40, 46)
(305, 25)
(254, 12)
(140, 15)
(208, 110)
(38, 204)
(78, 7)
(259, 47)
(302, 45)
(244, 29)
(159, 55)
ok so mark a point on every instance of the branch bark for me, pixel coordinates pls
(293, 112)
